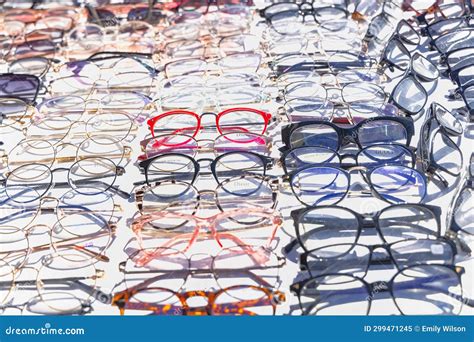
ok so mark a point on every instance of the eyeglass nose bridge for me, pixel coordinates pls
(207, 196)
(202, 266)
(48, 199)
(201, 161)
(208, 114)
(378, 287)
(200, 309)
(334, 94)
(360, 168)
(211, 125)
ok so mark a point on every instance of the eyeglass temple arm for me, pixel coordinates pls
(64, 243)
(92, 180)
(77, 281)
(40, 209)
(192, 237)
(320, 264)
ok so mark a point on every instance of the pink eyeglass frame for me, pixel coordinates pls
(209, 222)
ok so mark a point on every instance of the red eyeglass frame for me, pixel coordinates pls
(265, 116)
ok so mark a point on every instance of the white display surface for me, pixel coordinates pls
(382, 304)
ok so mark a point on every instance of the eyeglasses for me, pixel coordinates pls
(185, 144)
(420, 289)
(244, 120)
(133, 36)
(84, 40)
(226, 6)
(349, 92)
(279, 15)
(454, 40)
(66, 283)
(460, 210)
(219, 82)
(458, 59)
(87, 39)
(468, 97)
(397, 222)
(409, 95)
(182, 230)
(321, 185)
(39, 43)
(202, 98)
(365, 133)
(258, 300)
(108, 127)
(380, 28)
(369, 157)
(305, 103)
(15, 113)
(440, 27)
(21, 86)
(52, 26)
(123, 73)
(110, 15)
(20, 216)
(178, 166)
(134, 104)
(92, 239)
(341, 77)
(237, 192)
(463, 75)
(27, 4)
(242, 62)
(33, 150)
(396, 53)
(335, 61)
(61, 17)
(438, 152)
(41, 305)
(356, 258)
(89, 176)
(236, 265)
(186, 48)
(184, 26)
(437, 10)
(37, 66)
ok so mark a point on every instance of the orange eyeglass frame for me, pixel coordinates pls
(269, 298)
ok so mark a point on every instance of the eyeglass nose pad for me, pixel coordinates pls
(47, 199)
(207, 198)
(334, 95)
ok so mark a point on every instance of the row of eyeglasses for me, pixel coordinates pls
(344, 254)
(204, 87)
